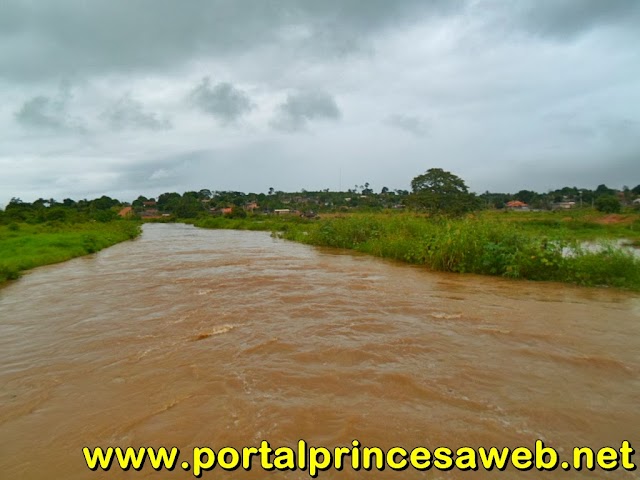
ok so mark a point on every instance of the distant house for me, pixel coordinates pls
(517, 205)
(251, 206)
(565, 205)
(226, 210)
(636, 201)
(149, 203)
(282, 211)
(150, 213)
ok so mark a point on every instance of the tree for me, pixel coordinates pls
(188, 206)
(167, 202)
(104, 203)
(527, 196)
(603, 190)
(608, 204)
(139, 202)
(439, 191)
(204, 194)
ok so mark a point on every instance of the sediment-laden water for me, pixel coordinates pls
(190, 337)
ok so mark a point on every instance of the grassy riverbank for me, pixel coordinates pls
(24, 246)
(535, 246)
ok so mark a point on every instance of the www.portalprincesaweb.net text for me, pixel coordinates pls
(316, 459)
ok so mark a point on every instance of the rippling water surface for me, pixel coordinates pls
(190, 337)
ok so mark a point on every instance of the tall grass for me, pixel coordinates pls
(536, 246)
(475, 245)
(24, 246)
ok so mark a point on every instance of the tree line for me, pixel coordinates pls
(436, 191)
(103, 209)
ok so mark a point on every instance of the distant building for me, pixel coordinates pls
(565, 205)
(251, 206)
(282, 211)
(150, 213)
(517, 205)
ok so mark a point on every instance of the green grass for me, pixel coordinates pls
(24, 246)
(521, 245)
(581, 224)
(527, 245)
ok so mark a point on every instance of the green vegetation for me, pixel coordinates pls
(24, 246)
(439, 224)
(436, 191)
(47, 231)
(441, 192)
(525, 245)
(608, 204)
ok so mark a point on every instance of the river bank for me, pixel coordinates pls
(24, 246)
(524, 246)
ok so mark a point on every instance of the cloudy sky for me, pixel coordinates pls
(121, 98)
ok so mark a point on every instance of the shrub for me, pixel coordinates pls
(608, 204)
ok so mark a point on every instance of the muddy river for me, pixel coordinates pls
(188, 337)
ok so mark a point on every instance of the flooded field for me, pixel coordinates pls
(189, 337)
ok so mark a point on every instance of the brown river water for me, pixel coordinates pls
(188, 337)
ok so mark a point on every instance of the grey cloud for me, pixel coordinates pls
(222, 101)
(300, 108)
(157, 173)
(547, 84)
(621, 168)
(564, 19)
(52, 39)
(68, 37)
(129, 113)
(40, 111)
(409, 123)
(49, 113)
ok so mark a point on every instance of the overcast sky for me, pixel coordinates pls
(123, 97)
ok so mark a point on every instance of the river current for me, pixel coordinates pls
(188, 337)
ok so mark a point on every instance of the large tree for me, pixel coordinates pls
(439, 191)
(604, 190)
